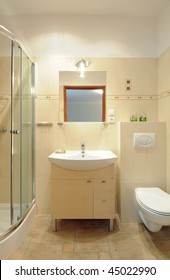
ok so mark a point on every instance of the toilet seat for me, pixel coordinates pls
(154, 199)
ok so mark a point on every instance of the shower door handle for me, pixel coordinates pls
(15, 131)
(3, 129)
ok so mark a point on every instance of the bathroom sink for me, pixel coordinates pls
(90, 160)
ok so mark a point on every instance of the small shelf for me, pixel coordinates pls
(60, 123)
(108, 123)
(85, 123)
(44, 124)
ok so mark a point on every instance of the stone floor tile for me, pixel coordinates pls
(91, 240)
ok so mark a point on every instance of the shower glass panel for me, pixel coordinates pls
(27, 133)
(5, 136)
(16, 135)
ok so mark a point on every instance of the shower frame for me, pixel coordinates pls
(23, 56)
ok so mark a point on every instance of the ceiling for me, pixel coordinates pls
(88, 7)
(103, 28)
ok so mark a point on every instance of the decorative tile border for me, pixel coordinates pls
(132, 97)
(47, 97)
(139, 97)
(115, 97)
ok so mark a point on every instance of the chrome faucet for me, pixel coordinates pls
(82, 144)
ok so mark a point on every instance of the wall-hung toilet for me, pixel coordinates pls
(154, 207)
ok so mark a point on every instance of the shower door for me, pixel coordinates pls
(27, 134)
(5, 136)
(22, 134)
(16, 134)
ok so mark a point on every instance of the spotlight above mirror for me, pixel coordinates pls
(82, 65)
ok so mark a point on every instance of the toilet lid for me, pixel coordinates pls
(154, 199)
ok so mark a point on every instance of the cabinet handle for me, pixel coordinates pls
(103, 200)
(88, 181)
(103, 181)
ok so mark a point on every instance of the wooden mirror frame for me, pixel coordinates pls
(85, 87)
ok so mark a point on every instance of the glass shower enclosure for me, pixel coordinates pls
(16, 133)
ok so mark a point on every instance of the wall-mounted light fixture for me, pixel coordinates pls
(82, 65)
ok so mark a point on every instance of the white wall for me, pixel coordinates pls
(85, 35)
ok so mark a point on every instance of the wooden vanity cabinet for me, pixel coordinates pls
(82, 194)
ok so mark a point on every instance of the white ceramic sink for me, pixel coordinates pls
(75, 160)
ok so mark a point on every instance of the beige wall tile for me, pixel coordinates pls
(41, 159)
(163, 70)
(42, 75)
(143, 75)
(43, 194)
(140, 166)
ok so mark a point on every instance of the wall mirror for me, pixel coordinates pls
(82, 100)
(84, 103)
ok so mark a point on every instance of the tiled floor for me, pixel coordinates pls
(91, 240)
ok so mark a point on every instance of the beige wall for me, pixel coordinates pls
(148, 77)
(5, 107)
(139, 167)
(164, 101)
(5, 117)
(142, 97)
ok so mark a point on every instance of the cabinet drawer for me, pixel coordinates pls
(104, 209)
(104, 189)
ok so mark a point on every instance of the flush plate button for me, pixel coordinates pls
(144, 140)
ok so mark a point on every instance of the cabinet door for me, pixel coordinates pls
(104, 189)
(72, 199)
(104, 209)
(104, 199)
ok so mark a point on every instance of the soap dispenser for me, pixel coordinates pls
(111, 115)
